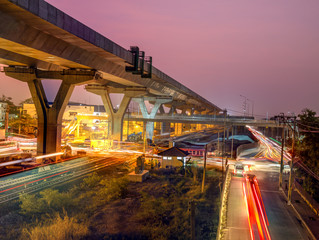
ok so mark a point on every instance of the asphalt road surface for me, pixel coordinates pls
(237, 221)
(282, 222)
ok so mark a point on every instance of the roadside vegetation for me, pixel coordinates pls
(111, 207)
(308, 152)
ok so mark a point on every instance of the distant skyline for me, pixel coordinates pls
(265, 50)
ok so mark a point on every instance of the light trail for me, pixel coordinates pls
(8, 189)
(255, 209)
(29, 159)
(49, 155)
(272, 148)
(265, 226)
(248, 214)
(28, 185)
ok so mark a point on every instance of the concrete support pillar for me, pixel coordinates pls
(165, 127)
(157, 104)
(116, 115)
(161, 109)
(50, 117)
(172, 111)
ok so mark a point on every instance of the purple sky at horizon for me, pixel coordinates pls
(265, 50)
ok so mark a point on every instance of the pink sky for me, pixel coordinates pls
(221, 49)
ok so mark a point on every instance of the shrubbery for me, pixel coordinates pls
(47, 201)
(65, 228)
(157, 208)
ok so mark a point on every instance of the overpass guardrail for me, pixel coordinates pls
(223, 207)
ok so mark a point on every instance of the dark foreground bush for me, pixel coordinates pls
(65, 228)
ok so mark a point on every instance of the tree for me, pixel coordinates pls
(26, 101)
(13, 109)
(308, 146)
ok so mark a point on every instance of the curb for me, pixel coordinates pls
(299, 216)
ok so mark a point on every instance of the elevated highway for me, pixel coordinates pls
(39, 41)
(205, 119)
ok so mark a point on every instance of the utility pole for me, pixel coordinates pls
(128, 122)
(192, 218)
(292, 161)
(282, 157)
(232, 141)
(281, 119)
(244, 104)
(6, 121)
(205, 158)
(218, 143)
(204, 170)
(285, 120)
(144, 137)
(223, 153)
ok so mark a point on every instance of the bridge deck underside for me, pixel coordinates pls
(36, 34)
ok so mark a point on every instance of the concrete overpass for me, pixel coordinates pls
(39, 41)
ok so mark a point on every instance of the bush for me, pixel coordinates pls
(113, 189)
(46, 201)
(65, 228)
(91, 181)
(31, 204)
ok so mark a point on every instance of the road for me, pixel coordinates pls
(282, 221)
(237, 221)
(56, 174)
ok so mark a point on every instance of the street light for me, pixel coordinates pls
(245, 105)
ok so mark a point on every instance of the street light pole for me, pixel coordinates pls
(245, 104)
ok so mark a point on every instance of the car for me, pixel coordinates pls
(239, 170)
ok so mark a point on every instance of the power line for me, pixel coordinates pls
(307, 131)
(308, 126)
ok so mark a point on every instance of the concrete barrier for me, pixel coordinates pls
(223, 207)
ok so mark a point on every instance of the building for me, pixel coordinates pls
(29, 108)
(71, 110)
(3, 110)
(174, 157)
